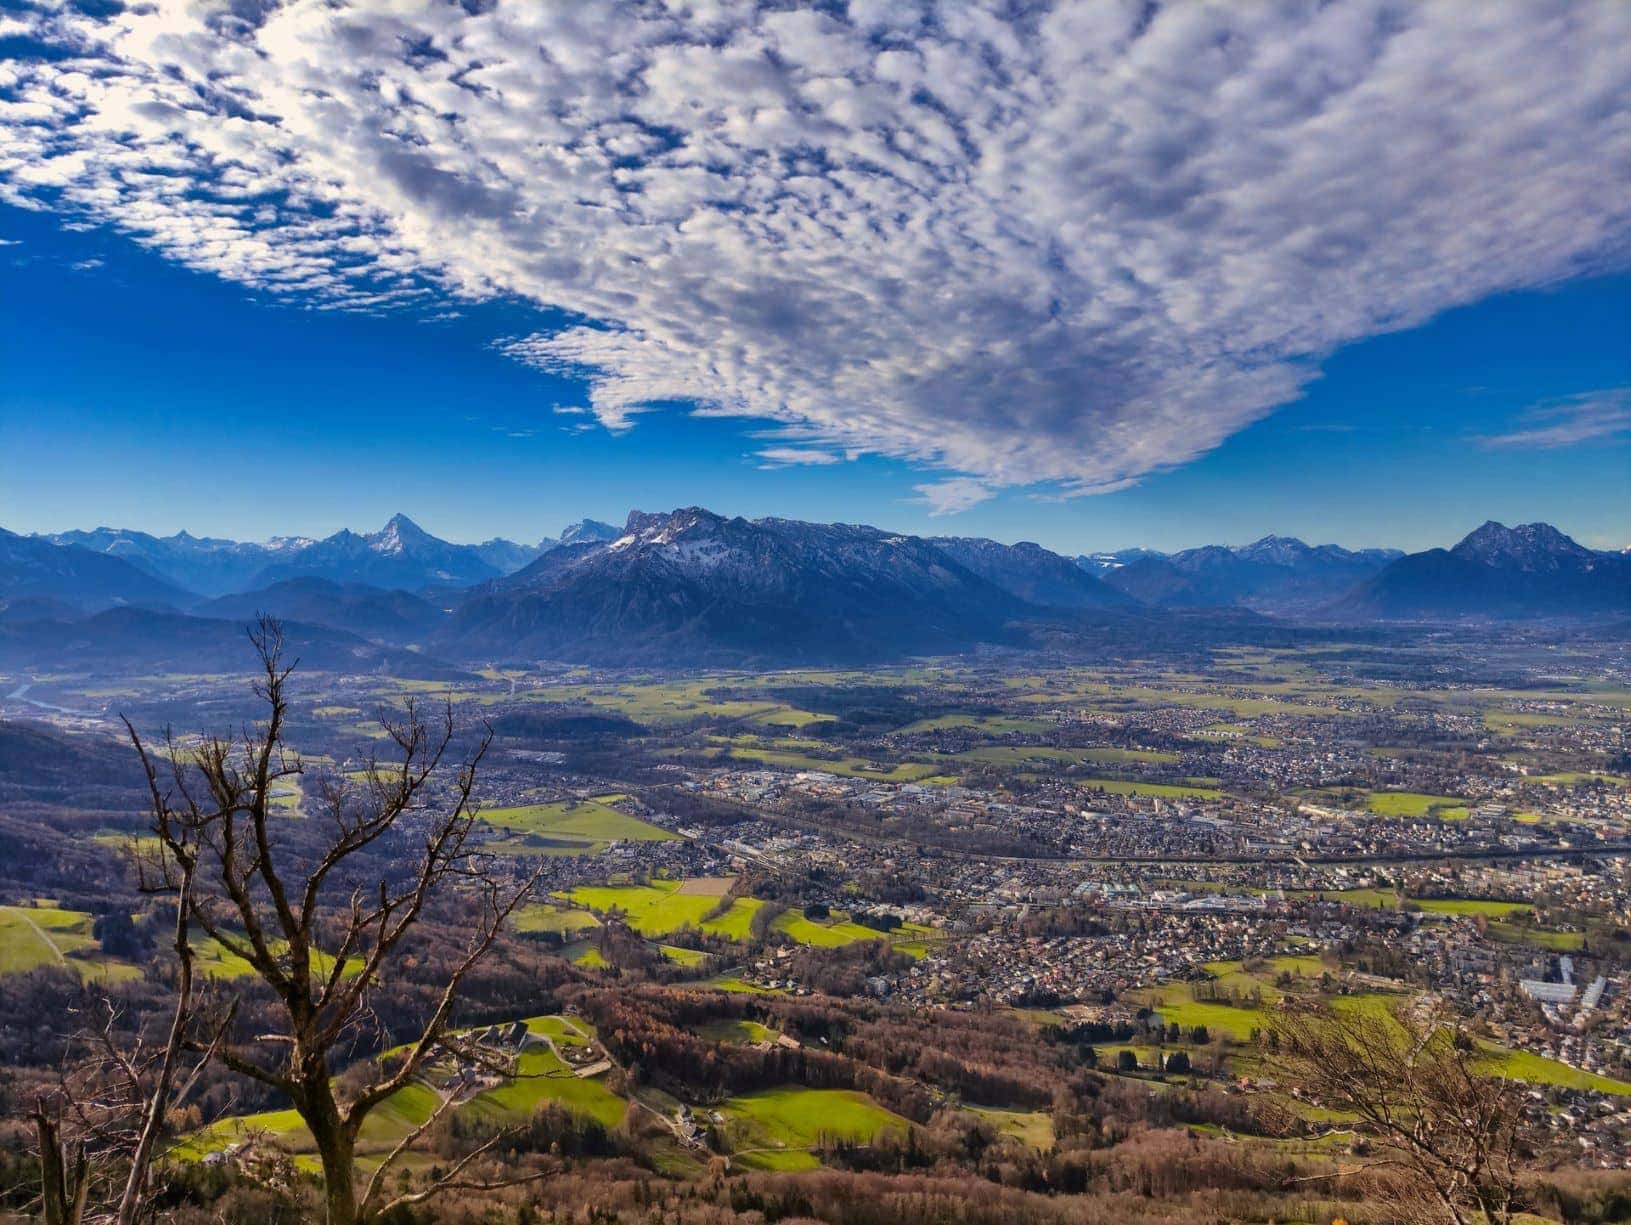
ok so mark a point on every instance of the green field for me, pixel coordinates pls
(1386, 899)
(683, 957)
(215, 961)
(546, 917)
(572, 827)
(1176, 1002)
(1235, 976)
(1237, 1023)
(285, 1126)
(1415, 804)
(541, 1078)
(733, 983)
(1469, 906)
(830, 935)
(1538, 937)
(849, 767)
(384, 1127)
(740, 1032)
(1164, 790)
(1539, 1070)
(566, 1031)
(996, 725)
(661, 907)
(1033, 1127)
(670, 703)
(34, 936)
(792, 1118)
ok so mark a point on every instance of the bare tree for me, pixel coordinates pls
(1449, 1133)
(266, 904)
(98, 1139)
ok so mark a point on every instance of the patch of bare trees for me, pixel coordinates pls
(1444, 1133)
(317, 934)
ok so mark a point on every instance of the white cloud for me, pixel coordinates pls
(1060, 246)
(786, 457)
(953, 495)
(1591, 416)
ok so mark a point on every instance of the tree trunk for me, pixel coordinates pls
(62, 1175)
(337, 1148)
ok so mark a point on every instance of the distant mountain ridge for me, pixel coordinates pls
(1100, 564)
(1277, 574)
(1032, 573)
(72, 577)
(692, 587)
(1498, 572)
(400, 555)
(135, 640)
(372, 612)
(200, 564)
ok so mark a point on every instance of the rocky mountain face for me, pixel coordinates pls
(1276, 574)
(696, 585)
(1496, 572)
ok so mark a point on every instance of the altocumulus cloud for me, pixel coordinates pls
(1049, 245)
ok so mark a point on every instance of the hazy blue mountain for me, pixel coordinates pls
(693, 586)
(132, 641)
(203, 564)
(1277, 574)
(1100, 564)
(1532, 570)
(373, 612)
(400, 554)
(506, 556)
(36, 569)
(1032, 573)
(589, 531)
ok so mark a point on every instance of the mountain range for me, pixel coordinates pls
(695, 587)
(1501, 572)
(693, 584)
(400, 554)
(1277, 574)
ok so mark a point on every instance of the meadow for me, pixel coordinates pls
(34, 936)
(1539, 1070)
(540, 1078)
(1415, 804)
(786, 1121)
(573, 827)
(662, 906)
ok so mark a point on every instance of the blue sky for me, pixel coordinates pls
(497, 354)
